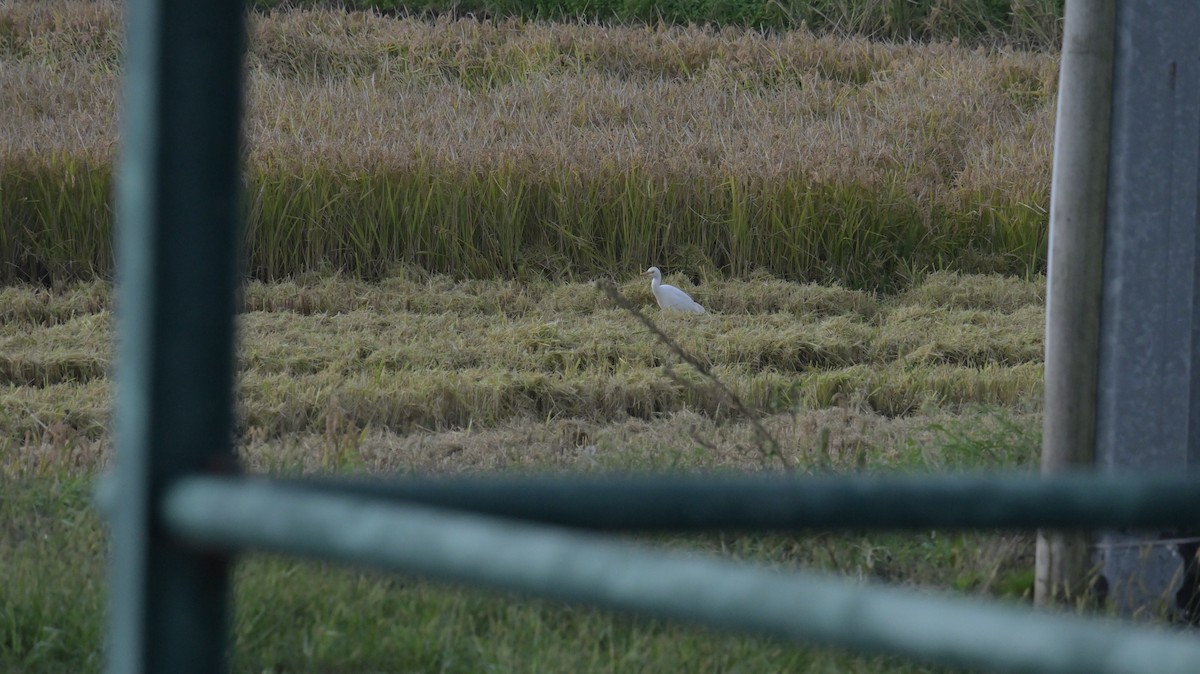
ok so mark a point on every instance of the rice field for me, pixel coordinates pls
(514, 149)
(431, 206)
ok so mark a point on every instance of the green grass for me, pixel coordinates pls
(305, 617)
(52, 549)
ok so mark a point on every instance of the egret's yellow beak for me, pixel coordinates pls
(646, 273)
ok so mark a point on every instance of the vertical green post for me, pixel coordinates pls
(177, 212)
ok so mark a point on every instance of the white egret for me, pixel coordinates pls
(669, 297)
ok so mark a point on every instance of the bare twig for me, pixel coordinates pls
(766, 443)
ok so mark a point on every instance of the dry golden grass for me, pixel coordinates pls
(680, 100)
(360, 91)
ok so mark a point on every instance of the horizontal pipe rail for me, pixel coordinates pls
(764, 503)
(233, 514)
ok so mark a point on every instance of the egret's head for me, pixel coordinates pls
(653, 271)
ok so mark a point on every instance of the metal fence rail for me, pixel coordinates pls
(232, 514)
(766, 503)
(176, 522)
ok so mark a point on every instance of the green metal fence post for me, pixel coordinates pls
(177, 208)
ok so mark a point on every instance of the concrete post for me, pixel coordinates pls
(1077, 211)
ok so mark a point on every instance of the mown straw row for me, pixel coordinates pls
(406, 401)
(24, 307)
(607, 343)
(479, 354)
(838, 438)
(525, 149)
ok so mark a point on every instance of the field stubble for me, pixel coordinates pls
(517, 149)
(370, 364)
(425, 374)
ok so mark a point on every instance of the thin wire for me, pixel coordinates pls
(768, 444)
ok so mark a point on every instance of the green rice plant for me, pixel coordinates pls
(741, 234)
(1035, 23)
(500, 222)
(277, 227)
(55, 219)
(1020, 232)
(573, 225)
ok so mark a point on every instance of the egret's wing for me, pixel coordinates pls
(671, 297)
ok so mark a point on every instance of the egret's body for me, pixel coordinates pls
(669, 297)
